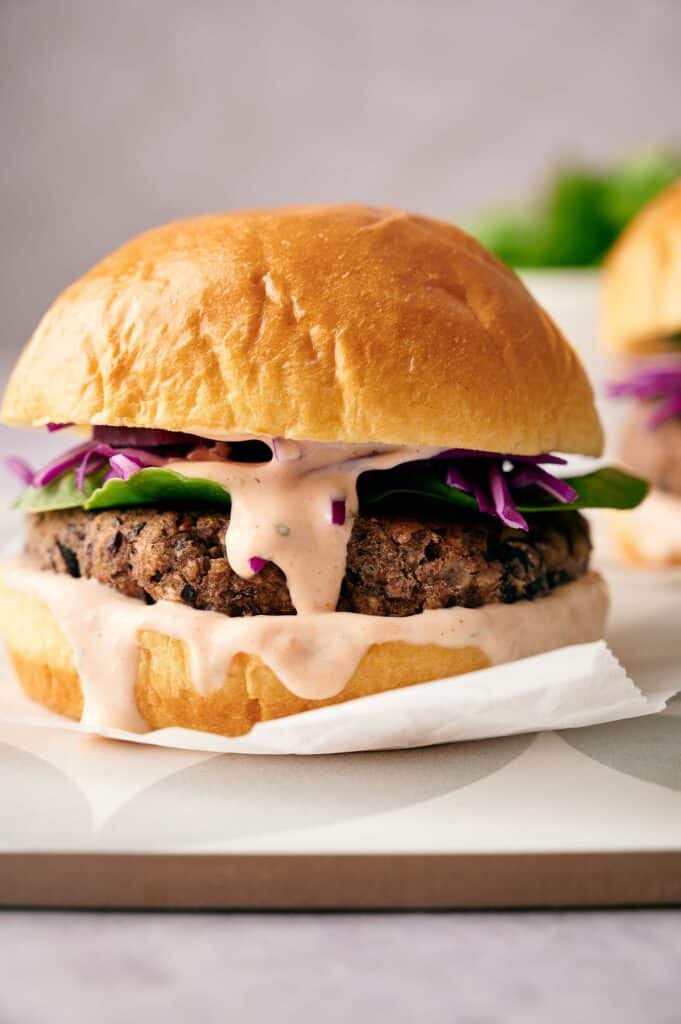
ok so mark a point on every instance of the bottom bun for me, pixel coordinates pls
(166, 697)
(648, 536)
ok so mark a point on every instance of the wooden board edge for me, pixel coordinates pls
(339, 882)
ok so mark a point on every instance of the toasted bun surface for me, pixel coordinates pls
(165, 694)
(330, 323)
(642, 279)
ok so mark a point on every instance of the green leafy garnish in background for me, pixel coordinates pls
(582, 213)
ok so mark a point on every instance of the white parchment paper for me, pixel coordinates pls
(571, 687)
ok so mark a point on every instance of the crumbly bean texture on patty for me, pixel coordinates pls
(397, 564)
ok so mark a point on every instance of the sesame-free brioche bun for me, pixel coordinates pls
(330, 323)
(166, 696)
(641, 305)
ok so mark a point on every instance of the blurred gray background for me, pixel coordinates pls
(117, 116)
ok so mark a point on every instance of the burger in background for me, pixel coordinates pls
(641, 328)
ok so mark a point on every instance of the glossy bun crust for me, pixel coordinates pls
(330, 323)
(642, 279)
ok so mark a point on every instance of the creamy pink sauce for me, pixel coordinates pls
(314, 654)
(281, 511)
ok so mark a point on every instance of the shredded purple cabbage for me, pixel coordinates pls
(658, 381)
(130, 460)
(19, 468)
(471, 483)
(491, 478)
(502, 500)
(535, 476)
(56, 467)
(123, 462)
(124, 450)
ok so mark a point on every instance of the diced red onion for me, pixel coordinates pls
(256, 564)
(19, 468)
(338, 512)
(53, 427)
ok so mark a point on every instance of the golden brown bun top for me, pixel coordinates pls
(331, 323)
(642, 279)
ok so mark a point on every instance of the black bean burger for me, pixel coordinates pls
(314, 459)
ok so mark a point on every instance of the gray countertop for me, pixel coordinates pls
(515, 968)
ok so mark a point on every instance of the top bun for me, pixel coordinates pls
(642, 279)
(329, 323)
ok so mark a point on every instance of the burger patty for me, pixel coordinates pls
(396, 564)
(655, 454)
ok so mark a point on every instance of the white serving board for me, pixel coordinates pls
(581, 817)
